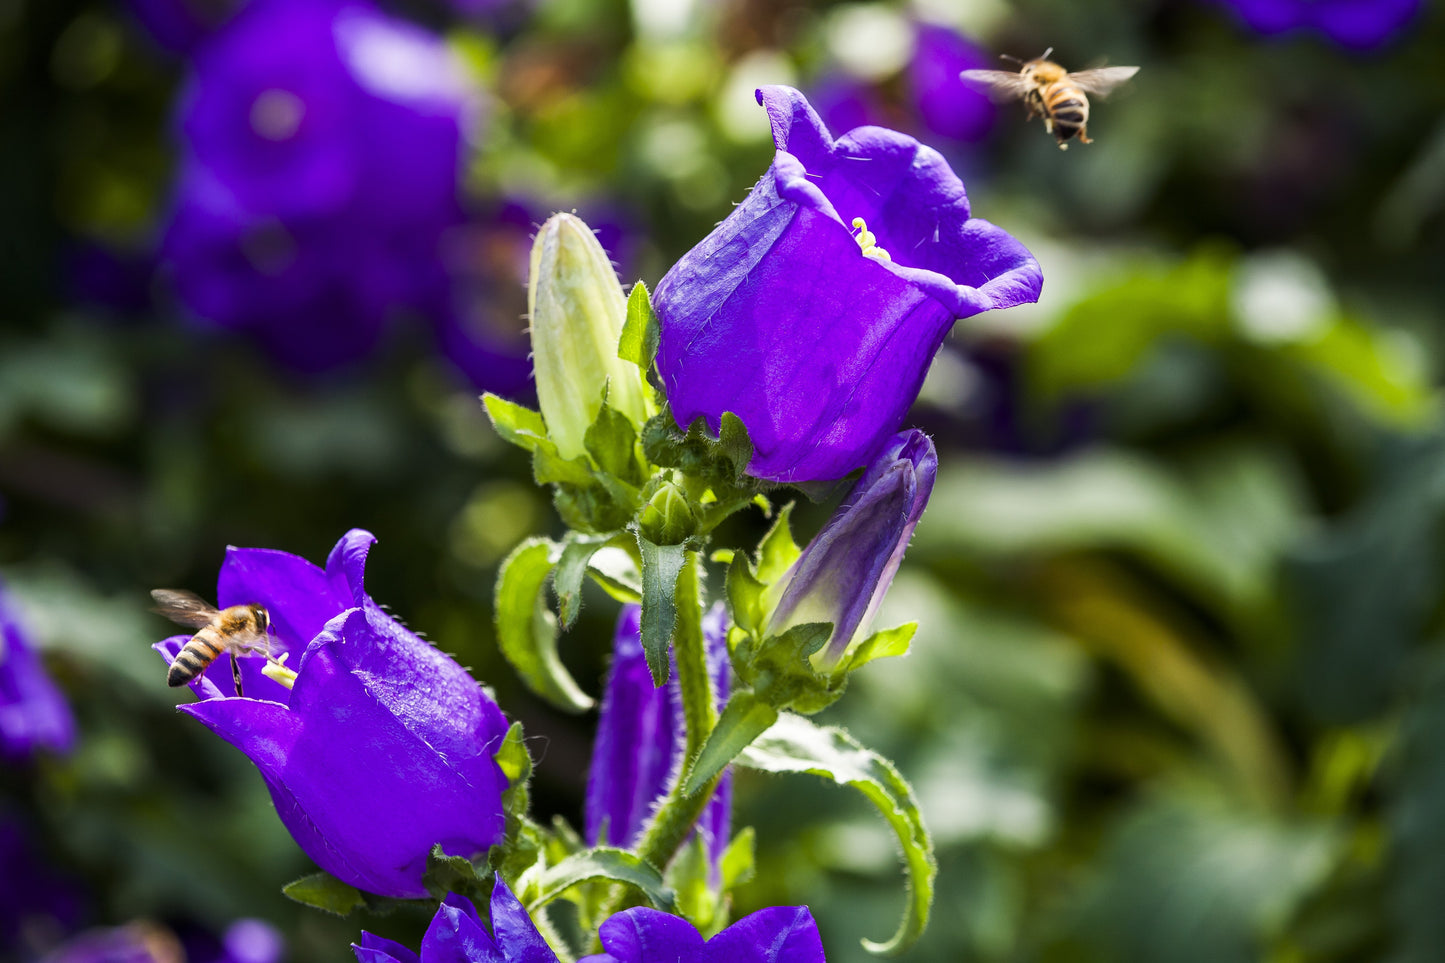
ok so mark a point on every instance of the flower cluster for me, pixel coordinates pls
(799, 332)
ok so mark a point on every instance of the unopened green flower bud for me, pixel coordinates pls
(577, 311)
(667, 519)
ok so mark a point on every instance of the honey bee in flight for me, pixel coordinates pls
(1051, 92)
(240, 629)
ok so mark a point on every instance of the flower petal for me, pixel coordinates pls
(778, 934)
(646, 935)
(516, 934)
(298, 596)
(456, 935)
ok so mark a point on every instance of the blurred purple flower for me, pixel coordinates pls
(457, 935)
(641, 740)
(33, 713)
(1356, 24)
(845, 571)
(383, 748)
(179, 25)
(133, 943)
(323, 146)
(844, 102)
(779, 317)
(947, 106)
(778, 934)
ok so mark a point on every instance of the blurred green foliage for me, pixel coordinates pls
(1177, 691)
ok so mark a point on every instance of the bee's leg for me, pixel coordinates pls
(236, 672)
(1048, 124)
(1084, 136)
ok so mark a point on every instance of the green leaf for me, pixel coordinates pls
(577, 551)
(885, 644)
(641, 332)
(516, 765)
(616, 571)
(550, 468)
(661, 565)
(603, 862)
(687, 876)
(739, 861)
(745, 596)
(325, 892)
(794, 744)
(778, 551)
(612, 442)
(527, 629)
(743, 719)
(519, 425)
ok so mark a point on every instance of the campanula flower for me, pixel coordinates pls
(1357, 24)
(457, 935)
(944, 103)
(641, 740)
(323, 144)
(778, 934)
(384, 745)
(815, 309)
(33, 713)
(844, 572)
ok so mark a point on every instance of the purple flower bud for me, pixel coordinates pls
(457, 935)
(845, 571)
(817, 332)
(779, 934)
(384, 746)
(641, 740)
(33, 713)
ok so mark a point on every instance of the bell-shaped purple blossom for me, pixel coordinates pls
(641, 740)
(814, 337)
(33, 713)
(778, 934)
(323, 144)
(1357, 24)
(457, 935)
(384, 745)
(843, 574)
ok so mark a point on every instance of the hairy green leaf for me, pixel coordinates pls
(641, 332)
(795, 744)
(527, 629)
(325, 892)
(743, 719)
(661, 565)
(603, 862)
(577, 552)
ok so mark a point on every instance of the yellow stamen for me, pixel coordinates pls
(869, 242)
(276, 669)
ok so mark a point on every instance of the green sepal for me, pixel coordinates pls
(719, 464)
(687, 876)
(795, 744)
(325, 892)
(577, 552)
(739, 861)
(550, 468)
(661, 565)
(735, 445)
(781, 672)
(602, 862)
(516, 423)
(884, 644)
(527, 629)
(522, 840)
(641, 332)
(743, 719)
(745, 596)
(456, 874)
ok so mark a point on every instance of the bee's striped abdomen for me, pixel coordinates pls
(195, 657)
(1069, 109)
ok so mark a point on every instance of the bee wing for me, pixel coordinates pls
(1000, 84)
(183, 608)
(1102, 79)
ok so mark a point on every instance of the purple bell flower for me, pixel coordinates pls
(843, 574)
(384, 745)
(641, 740)
(457, 935)
(33, 713)
(323, 146)
(814, 337)
(1356, 24)
(778, 934)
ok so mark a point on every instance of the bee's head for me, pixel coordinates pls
(1042, 71)
(262, 617)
